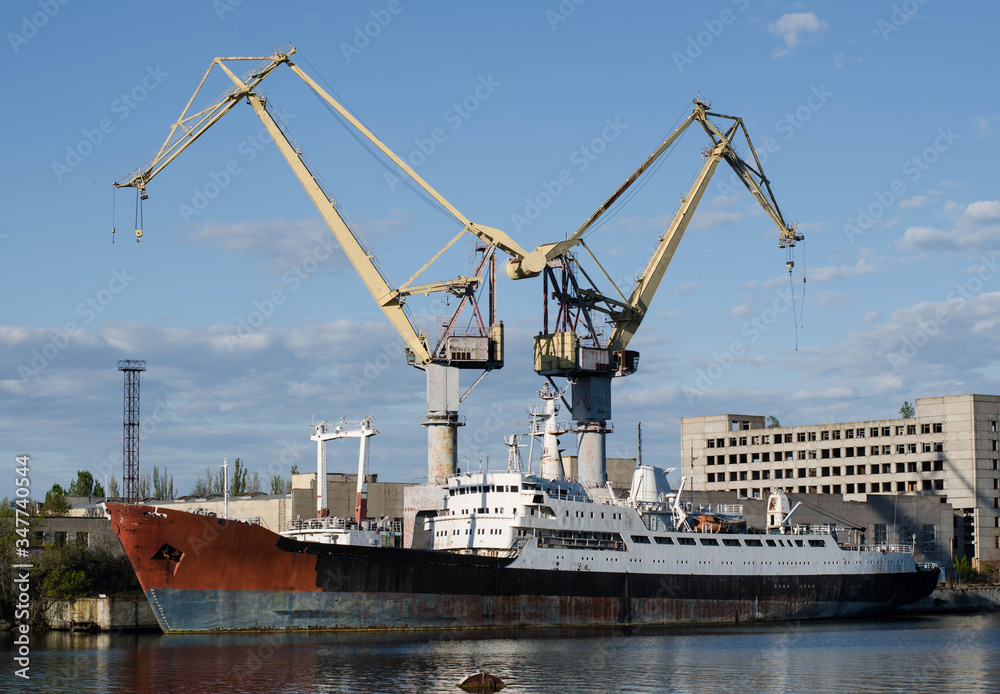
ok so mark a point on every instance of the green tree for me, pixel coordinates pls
(279, 485)
(964, 571)
(253, 486)
(772, 422)
(144, 485)
(238, 482)
(55, 501)
(85, 485)
(113, 491)
(907, 411)
(163, 484)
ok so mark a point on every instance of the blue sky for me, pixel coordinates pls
(878, 123)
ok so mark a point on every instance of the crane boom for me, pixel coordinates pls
(190, 126)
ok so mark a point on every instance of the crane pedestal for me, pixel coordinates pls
(591, 411)
(442, 422)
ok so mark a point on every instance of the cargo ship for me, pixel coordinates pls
(514, 549)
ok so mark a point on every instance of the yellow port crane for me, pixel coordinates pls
(483, 349)
(574, 348)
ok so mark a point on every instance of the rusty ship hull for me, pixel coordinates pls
(203, 573)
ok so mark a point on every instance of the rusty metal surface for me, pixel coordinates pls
(219, 575)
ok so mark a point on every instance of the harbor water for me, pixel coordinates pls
(942, 653)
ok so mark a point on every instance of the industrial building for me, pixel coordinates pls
(947, 450)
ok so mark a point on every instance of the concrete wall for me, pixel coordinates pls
(107, 613)
(947, 450)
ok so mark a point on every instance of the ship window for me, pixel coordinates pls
(731, 543)
(798, 543)
(640, 539)
(710, 541)
(685, 540)
(753, 543)
(817, 543)
(771, 543)
(663, 541)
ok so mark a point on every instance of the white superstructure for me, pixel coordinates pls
(562, 525)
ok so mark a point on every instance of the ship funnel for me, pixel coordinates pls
(778, 509)
(649, 485)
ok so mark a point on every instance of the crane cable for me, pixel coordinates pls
(797, 314)
(114, 198)
(405, 180)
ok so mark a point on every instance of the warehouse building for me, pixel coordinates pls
(947, 450)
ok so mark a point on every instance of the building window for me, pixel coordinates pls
(710, 443)
(938, 428)
(939, 447)
(836, 452)
(710, 460)
(874, 450)
(849, 452)
(880, 534)
(862, 487)
(911, 429)
(720, 443)
(82, 539)
(765, 439)
(836, 434)
(900, 486)
(743, 476)
(766, 457)
(886, 468)
(777, 474)
(925, 448)
(755, 457)
(755, 475)
(900, 449)
(732, 442)
(812, 435)
(732, 476)
(873, 432)
(802, 472)
(766, 475)
(887, 487)
(743, 440)
(900, 467)
(836, 471)
(824, 436)
(826, 489)
(849, 470)
(860, 432)
(711, 477)
(885, 431)
(849, 433)
(743, 457)
(925, 466)
(825, 472)
(801, 436)
(911, 448)
(899, 430)
(60, 539)
(925, 428)
(825, 453)
(788, 438)
(887, 449)
(850, 489)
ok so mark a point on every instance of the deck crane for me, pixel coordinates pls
(572, 346)
(482, 349)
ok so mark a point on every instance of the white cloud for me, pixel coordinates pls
(915, 201)
(793, 27)
(741, 311)
(976, 230)
(686, 288)
(984, 125)
(826, 273)
(711, 219)
(643, 223)
(835, 299)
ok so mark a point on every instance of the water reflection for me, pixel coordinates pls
(954, 654)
